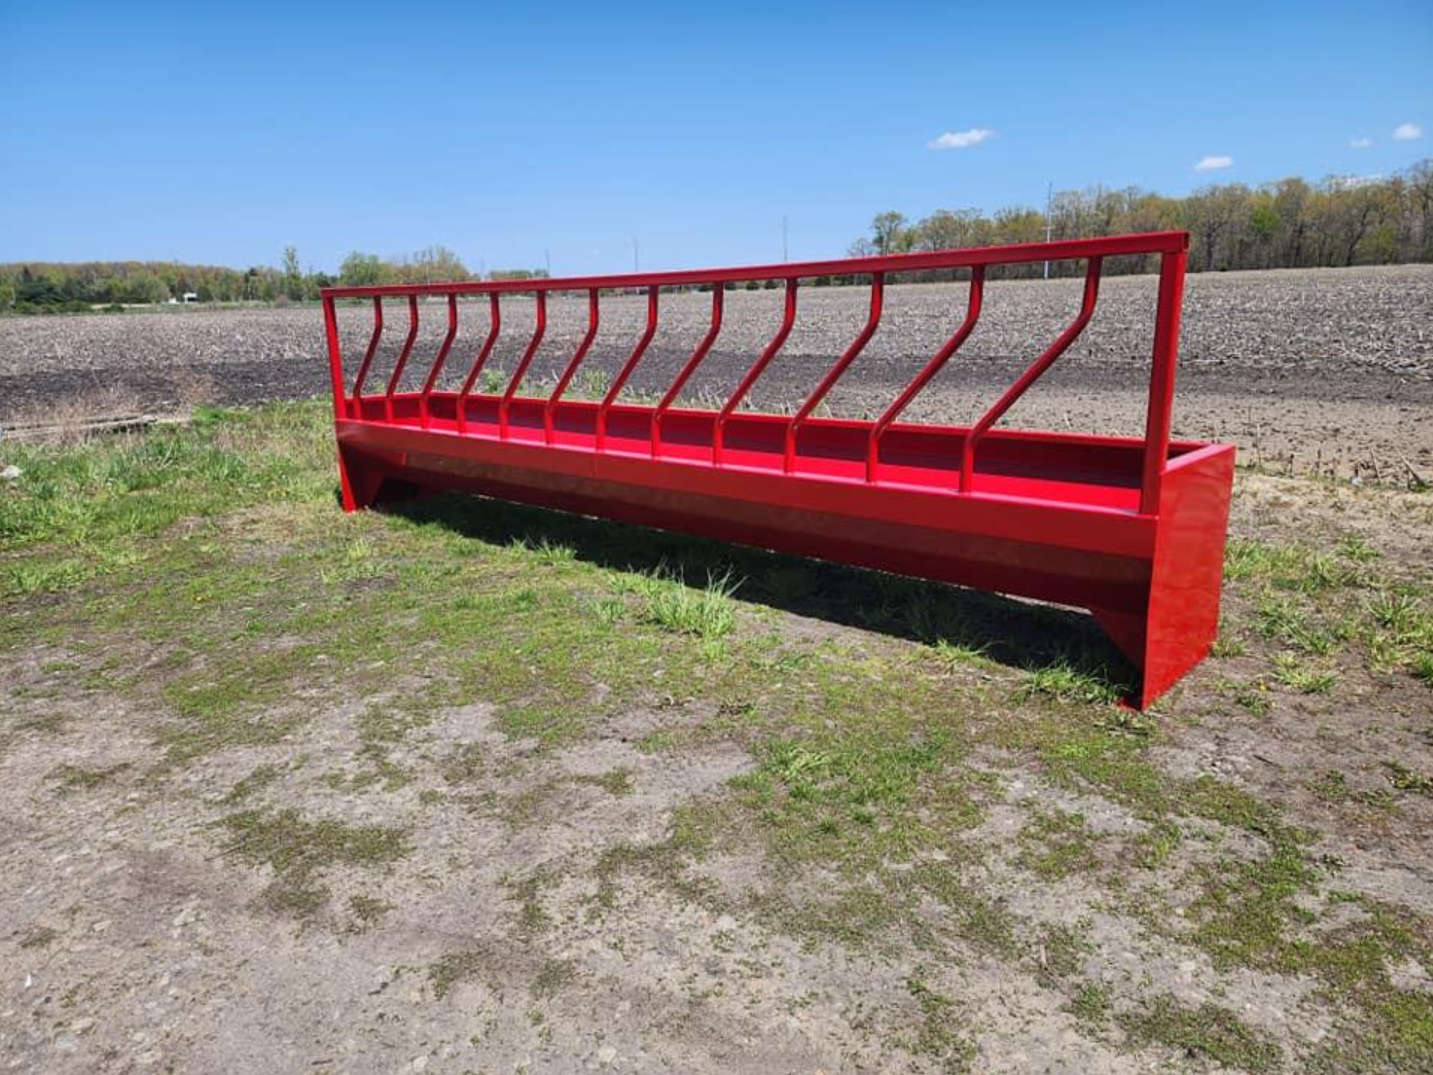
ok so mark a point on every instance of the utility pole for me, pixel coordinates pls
(547, 261)
(1049, 219)
(636, 259)
(784, 256)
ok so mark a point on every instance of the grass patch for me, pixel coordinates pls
(1091, 1004)
(454, 968)
(86, 505)
(78, 778)
(1406, 779)
(1291, 670)
(367, 910)
(1056, 844)
(615, 782)
(552, 977)
(708, 613)
(1070, 682)
(299, 850)
(1208, 1031)
(258, 779)
(937, 1035)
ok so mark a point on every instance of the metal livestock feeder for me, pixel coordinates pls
(1131, 529)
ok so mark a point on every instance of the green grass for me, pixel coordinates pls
(368, 911)
(1056, 844)
(938, 1033)
(1292, 670)
(298, 851)
(1208, 1032)
(454, 968)
(90, 505)
(79, 778)
(1071, 683)
(708, 613)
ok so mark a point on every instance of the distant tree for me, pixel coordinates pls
(946, 230)
(143, 287)
(293, 274)
(1216, 216)
(889, 233)
(7, 292)
(438, 263)
(362, 270)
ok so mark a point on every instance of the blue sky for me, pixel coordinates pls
(220, 133)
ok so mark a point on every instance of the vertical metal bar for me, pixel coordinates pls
(757, 367)
(567, 374)
(538, 329)
(423, 415)
(335, 359)
(718, 291)
(1031, 375)
(1159, 416)
(495, 324)
(403, 356)
(929, 370)
(372, 349)
(873, 320)
(627, 367)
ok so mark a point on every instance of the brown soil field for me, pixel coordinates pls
(1327, 371)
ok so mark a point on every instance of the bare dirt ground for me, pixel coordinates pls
(477, 788)
(1327, 371)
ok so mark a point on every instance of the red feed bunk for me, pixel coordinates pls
(1130, 528)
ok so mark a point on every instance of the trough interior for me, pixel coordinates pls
(1093, 470)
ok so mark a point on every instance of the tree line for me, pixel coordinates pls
(48, 287)
(1289, 224)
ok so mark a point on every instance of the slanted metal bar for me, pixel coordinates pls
(423, 416)
(403, 356)
(495, 324)
(1031, 375)
(1161, 383)
(757, 367)
(718, 291)
(372, 348)
(567, 374)
(538, 329)
(873, 320)
(627, 367)
(929, 370)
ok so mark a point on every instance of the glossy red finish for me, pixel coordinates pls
(1131, 528)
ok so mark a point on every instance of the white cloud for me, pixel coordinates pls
(1406, 132)
(1210, 164)
(961, 139)
(1360, 143)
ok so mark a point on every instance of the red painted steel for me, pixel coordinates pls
(1131, 528)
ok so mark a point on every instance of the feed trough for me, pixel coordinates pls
(1130, 528)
